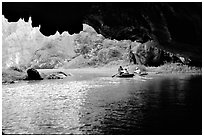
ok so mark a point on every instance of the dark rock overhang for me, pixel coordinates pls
(177, 27)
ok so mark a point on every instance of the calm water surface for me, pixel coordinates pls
(96, 104)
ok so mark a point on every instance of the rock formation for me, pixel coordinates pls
(175, 26)
(25, 46)
(33, 74)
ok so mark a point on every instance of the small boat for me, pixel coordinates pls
(125, 75)
(143, 73)
(140, 73)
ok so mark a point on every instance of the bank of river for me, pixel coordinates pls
(89, 102)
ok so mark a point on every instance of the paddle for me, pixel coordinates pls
(114, 75)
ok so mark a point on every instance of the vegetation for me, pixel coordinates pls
(12, 75)
(49, 56)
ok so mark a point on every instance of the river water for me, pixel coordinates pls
(98, 104)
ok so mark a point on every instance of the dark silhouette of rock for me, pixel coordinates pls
(132, 58)
(33, 74)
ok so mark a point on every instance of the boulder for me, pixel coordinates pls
(33, 74)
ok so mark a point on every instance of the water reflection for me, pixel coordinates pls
(43, 108)
(104, 105)
(156, 106)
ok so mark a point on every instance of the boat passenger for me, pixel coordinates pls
(120, 70)
(125, 71)
(137, 70)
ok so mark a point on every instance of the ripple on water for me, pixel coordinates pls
(102, 105)
(47, 107)
(43, 108)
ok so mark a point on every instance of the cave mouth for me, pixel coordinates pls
(176, 26)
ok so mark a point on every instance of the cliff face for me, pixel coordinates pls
(24, 45)
(177, 27)
(19, 41)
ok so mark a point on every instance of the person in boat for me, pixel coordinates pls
(137, 70)
(120, 70)
(125, 71)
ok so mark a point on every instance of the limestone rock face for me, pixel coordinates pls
(177, 27)
(19, 42)
(25, 45)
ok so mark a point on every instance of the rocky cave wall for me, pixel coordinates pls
(176, 27)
